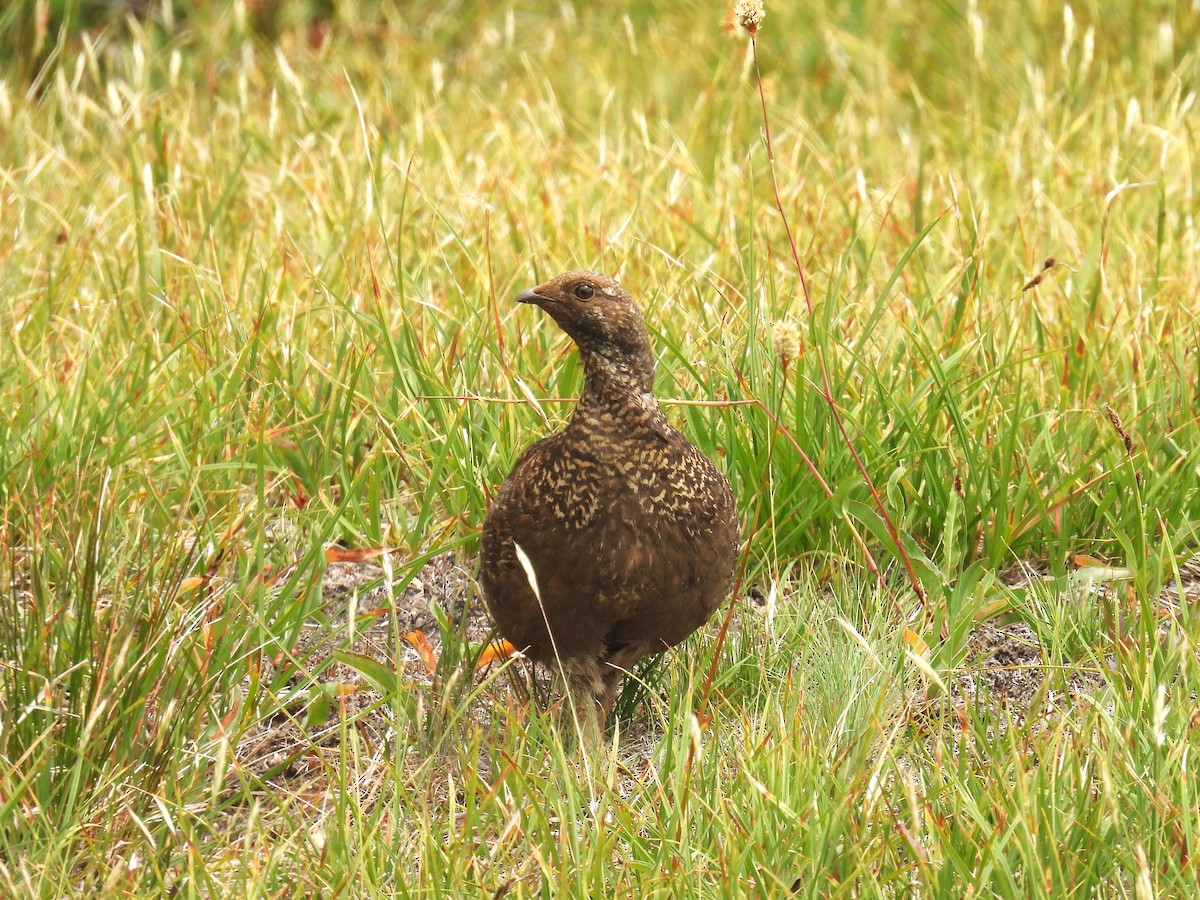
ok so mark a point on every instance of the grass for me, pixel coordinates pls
(257, 299)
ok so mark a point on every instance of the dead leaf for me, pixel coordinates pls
(334, 553)
(915, 641)
(496, 651)
(424, 649)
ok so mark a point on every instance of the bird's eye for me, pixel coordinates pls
(584, 291)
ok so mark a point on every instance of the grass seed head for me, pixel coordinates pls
(786, 338)
(749, 14)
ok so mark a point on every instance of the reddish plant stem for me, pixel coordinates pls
(812, 467)
(741, 570)
(826, 387)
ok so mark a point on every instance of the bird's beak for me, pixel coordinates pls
(531, 297)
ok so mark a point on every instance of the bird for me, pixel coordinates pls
(615, 538)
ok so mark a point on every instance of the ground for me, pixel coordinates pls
(1004, 666)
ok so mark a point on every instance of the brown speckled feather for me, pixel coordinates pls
(631, 531)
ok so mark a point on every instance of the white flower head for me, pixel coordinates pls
(749, 14)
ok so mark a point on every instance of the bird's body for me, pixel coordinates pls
(631, 532)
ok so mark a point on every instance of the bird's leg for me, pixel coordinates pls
(585, 690)
(611, 679)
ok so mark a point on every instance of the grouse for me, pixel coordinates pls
(629, 532)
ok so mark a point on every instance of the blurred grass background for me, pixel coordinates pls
(257, 263)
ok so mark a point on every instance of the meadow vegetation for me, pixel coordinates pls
(256, 284)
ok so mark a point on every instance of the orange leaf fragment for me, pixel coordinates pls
(915, 641)
(1086, 562)
(420, 643)
(496, 651)
(335, 553)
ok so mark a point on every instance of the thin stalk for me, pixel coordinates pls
(826, 388)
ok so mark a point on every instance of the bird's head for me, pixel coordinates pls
(595, 311)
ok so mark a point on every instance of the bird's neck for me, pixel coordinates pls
(620, 388)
